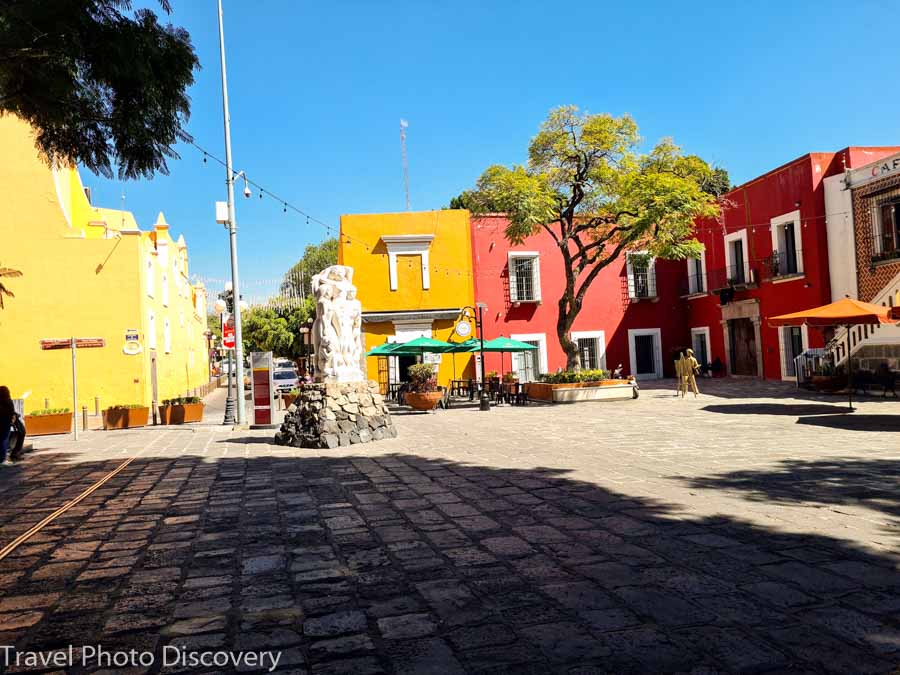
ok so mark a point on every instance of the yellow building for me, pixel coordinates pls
(414, 275)
(91, 272)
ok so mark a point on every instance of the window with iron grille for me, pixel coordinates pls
(641, 276)
(589, 353)
(886, 228)
(524, 278)
(527, 364)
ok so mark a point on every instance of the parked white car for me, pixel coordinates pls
(285, 380)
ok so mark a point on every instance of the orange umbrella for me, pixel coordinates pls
(845, 312)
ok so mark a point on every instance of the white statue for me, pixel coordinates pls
(337, 329)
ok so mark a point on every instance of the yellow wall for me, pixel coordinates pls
(450, 271)
(84, 275)
(450, 260)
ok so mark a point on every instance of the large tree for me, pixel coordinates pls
(316, 257)
(597, 196)
(99, 86)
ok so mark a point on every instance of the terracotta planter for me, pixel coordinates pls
(571, 392)
(181, 413)
(288, 399)
(43, 425)
(125, 418)
(425, 401)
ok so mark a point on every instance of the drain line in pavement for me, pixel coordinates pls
(25, 536)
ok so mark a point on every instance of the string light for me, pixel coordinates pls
(715, 227)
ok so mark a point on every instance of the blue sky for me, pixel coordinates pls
(317, 91)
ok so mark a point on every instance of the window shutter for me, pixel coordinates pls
(513, 281)
(536, 277)
(630, 270)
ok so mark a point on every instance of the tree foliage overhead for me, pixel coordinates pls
(316, 257)
(277, 329)
(590, 189)
(99, 86)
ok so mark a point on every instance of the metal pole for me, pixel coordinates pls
(484, 403)
(232, 234)
(849, 371)
(73, 347)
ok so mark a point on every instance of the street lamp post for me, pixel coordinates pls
(484, 403)
(226, 304)
(232, 233)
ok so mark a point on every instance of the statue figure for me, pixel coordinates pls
(691, 368)
(338, 324)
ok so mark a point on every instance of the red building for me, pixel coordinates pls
(767, 254)
(630, 316)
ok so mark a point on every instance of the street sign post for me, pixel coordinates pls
(74, 344)
(228, 331)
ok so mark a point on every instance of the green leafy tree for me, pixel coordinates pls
(316, 257)
(468, 199)
(99, 86)
(264, 331)
(587, 185)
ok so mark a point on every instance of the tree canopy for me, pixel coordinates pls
(278, 329)
(316, 257)
(99, 86)
(597, 196)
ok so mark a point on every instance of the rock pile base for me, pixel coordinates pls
(326, 415)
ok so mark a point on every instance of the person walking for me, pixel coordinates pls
(7, 419)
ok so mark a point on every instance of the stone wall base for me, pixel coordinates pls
(326, 415)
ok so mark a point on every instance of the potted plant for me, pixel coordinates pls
(125, 416)
(48, 421)
(493, 376)
(180, 410)
(423, 393)
(290, 397)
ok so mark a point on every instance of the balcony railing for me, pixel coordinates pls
(733, 276)
(694, 284)
(781, 264)
(642, 284)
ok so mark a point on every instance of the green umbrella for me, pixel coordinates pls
(470, 345)
(385, 349)
(420, 345)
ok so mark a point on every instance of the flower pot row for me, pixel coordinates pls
(181, 413)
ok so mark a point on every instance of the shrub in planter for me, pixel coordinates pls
(290, 397)
(573, 376)
(181, 409)
(422, 391)
(125, 416)
(48, 421)
(510, 377)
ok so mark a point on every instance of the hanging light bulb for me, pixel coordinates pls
(285, 207)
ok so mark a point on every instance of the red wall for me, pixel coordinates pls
(606, 306)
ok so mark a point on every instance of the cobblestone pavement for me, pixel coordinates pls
(749, 530)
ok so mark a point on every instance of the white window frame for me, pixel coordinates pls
(167, 336)
(704, 331)
(408, 244)
(692, 284)
(535, 275)
(632, 352)
(740, 235)
(779, 221)
(782, 349)
(541, 339)
(598, 335)
(151, 330)
(651, 267)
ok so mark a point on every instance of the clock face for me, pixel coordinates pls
(463, 328)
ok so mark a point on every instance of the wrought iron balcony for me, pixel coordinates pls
(642, 284)
(781, 264)
(693, 284)
(738, 277)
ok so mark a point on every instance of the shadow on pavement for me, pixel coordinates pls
(790, 409)
(873, 484)
(405, 564)
(855, 422)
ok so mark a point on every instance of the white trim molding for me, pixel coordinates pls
(740, 235)
(408, 244)
(600, 336)
(782, 356)
(792, 218)
(694, 289)
(541, 339)
(657, 357)
(704, 331)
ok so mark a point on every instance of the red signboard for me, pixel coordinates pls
(228, 333)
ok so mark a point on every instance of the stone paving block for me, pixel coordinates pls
(428, 655)
(338, 623)
(406, 626)
(565, 642)
(809, 578)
